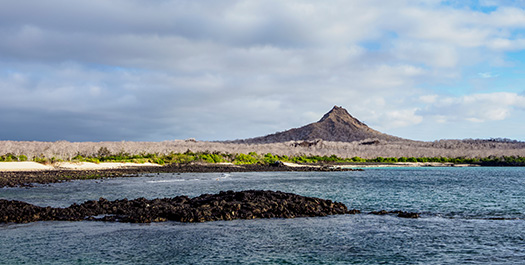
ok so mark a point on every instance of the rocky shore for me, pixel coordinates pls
(227, 205)
(27, 178)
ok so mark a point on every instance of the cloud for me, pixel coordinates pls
(156, 70)
(428, 98)
(474, 107)
(487, 75)
(401, 118)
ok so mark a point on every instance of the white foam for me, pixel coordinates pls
(165, 180)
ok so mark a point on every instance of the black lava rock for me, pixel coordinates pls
(227, 205)
(401, 214)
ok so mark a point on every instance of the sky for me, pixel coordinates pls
(155, 70)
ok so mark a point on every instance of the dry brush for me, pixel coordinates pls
(371, 148)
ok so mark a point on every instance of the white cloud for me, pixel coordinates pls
(402, 118)
(428, 98)
(474, 107)
(246, 67)
(487, 75)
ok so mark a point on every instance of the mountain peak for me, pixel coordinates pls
(340, 114)
(334, 112)
(336, 125)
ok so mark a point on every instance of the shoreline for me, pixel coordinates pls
(404, 164)
(35, 166)
(29, 166)
(26, 174)
(26, 178)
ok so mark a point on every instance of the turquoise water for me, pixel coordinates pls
(469, 215)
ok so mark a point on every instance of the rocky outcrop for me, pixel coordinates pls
(207, 207)
(401, 214)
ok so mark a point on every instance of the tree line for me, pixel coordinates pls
(104, 155)
(370, 149)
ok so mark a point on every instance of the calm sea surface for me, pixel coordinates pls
(469, 215)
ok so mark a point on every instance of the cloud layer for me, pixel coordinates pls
(158, 70)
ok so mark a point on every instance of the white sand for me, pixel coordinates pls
(23, 166)
(88, 165)
(288, 164)
(34, 166)
(407, 164)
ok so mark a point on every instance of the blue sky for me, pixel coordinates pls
(216, 70)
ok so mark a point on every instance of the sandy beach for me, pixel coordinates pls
(404, 164)
(27, 173)
(34, 166)
(14, 174)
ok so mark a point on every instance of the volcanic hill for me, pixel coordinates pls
(337, 125)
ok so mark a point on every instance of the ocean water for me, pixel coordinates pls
(468, 216)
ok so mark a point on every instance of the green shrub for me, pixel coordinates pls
(8, 157)
(358, 159)
(242, 159)
(422, 159)
(412, 159)
(378, 159)
(211, 158)
(103, 155)
(270, 159)
(390, 160)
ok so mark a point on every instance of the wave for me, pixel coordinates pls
(223, 176)
(165, 180)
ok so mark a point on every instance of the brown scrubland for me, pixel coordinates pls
(370, 148)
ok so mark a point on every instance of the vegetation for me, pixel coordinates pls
(11, 157)
(104, 155)
(486, 152)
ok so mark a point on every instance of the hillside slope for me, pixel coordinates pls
(337, 125)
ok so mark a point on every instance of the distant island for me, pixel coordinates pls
(337, 142)
(337, 137)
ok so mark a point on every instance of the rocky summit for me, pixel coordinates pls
(207, 207)
(337, 125)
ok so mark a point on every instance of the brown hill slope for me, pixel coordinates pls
(337, 125)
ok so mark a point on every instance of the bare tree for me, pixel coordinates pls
(369, 148)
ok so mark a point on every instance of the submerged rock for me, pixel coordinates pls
(401, 214)
(207, 207)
